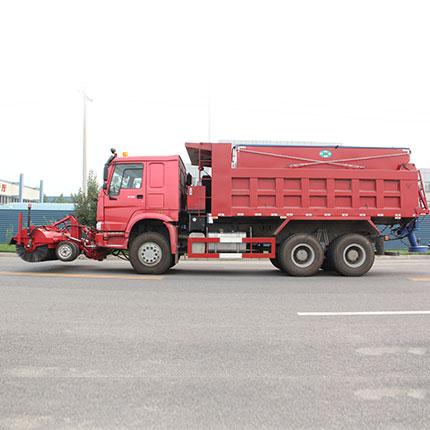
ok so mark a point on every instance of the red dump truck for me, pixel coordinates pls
(305, 208)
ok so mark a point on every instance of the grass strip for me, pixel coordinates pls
(5, 247)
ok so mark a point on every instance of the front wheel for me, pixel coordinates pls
(67, 251)
(301, 255)
(150, 253)
(351, 255)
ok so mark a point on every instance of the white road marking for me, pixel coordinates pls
(338, 314)
(380, 393)
(396, 350)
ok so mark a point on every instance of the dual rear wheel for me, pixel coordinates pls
(350, 255)
(302, 255)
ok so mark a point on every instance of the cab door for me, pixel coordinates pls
(126, 195)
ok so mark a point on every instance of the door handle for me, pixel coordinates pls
(140, 196)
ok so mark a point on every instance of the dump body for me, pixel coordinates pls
(311, 182)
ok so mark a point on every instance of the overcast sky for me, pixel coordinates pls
(351, 72)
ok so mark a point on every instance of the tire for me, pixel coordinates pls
(150, 253)
(327, 265)
(301, 255)
(67, 251)
(392, 253)
(380, 245)
(351, 254)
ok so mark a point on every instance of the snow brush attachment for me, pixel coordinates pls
(34, 255)
(54, 242)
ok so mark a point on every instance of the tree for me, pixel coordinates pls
(86, 206)
(59, 199)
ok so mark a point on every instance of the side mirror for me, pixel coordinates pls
(105, 173)
(189, 180)
(105, 185)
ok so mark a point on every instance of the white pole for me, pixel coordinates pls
(209, 112)
(84, 154)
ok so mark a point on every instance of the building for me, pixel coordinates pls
(425, 173)
(11, 192)
(55, 199)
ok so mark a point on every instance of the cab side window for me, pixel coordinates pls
(126, 176)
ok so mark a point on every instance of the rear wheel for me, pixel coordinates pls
(327, 265)
(351, 254)
(301, 255)
(67, 251)
(380, 245)
(150, 253)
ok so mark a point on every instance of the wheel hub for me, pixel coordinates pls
(303, 255)
(150, 254)
(65, 251)
(354, 255)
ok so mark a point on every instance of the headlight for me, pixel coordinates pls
(99, 226)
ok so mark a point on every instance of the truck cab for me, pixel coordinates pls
(140, 195)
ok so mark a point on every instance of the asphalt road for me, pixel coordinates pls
(213, 345)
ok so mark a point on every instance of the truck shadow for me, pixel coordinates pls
(258, 273)
(77, 268)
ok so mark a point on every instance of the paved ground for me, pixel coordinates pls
(212, 345)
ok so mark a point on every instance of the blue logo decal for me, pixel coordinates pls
(325, 154)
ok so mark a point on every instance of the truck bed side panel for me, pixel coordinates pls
(268, 182)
